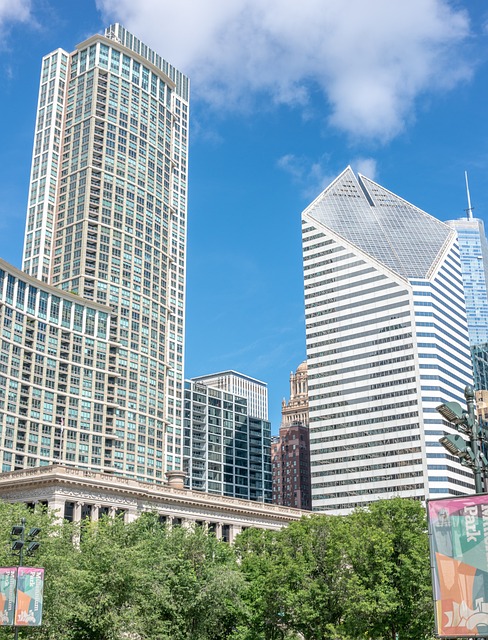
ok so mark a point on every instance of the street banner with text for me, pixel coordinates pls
(30, 587)
(458, 529)
(8, 583)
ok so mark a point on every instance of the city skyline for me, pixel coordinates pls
(252, 172)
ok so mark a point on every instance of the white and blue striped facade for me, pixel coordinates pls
(387, 342)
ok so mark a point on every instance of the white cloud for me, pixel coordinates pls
(13, 11)
(313, 176)
(365, 166)
(369, 60)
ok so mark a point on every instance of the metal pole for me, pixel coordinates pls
(21, 560)
(473, 437)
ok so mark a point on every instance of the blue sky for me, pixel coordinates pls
(284, 96)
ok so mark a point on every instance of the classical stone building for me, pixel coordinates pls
(75, 494)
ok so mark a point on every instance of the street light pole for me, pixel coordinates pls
(470, 453)
(473, 437)
(21, 563)
(18, 545)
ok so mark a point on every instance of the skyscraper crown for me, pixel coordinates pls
(380, 223)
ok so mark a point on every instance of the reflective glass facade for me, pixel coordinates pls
(226, 450)
(473, 249)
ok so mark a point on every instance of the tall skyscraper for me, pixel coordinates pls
(387, 342)
(473, 249)
(106, 221)
(290, 450)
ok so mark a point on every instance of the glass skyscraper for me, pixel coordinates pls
(106, 227)
(473, 249)
(227, 450)
(387, 342)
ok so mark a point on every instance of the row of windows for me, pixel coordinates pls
(345, 331)
(364, 444)
(359, 356)
(361, 303)
(349, 286)
(366, 434)
(347, 414)
(362, 492)
(359, 314)
(363, 345)
(364, 479)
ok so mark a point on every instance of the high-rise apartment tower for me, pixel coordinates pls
(226, 450)
(387, 342)
(106, 221)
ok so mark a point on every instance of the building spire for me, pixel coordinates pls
(469, 210)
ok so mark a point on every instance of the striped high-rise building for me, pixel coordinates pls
(387, 342)
(106, 228)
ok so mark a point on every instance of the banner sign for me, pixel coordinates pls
(30, 586)
(8, 583)
(458, 529)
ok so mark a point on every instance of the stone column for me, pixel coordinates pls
(95, 513)
(57, 505)
(234, 530)
(77, 511)
(131, 515)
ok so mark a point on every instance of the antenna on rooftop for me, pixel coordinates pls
(469, 210)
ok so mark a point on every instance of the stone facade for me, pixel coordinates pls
(75, 494)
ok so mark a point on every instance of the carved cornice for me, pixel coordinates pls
(103, 488)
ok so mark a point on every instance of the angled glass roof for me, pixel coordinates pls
(402, 237)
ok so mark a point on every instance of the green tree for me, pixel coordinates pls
(389, 589)
(366, 575)
(297, 579)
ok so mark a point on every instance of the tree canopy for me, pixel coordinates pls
(365, 575)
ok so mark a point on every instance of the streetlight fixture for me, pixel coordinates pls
(453, 412)
(469, 453)
(18, 545)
